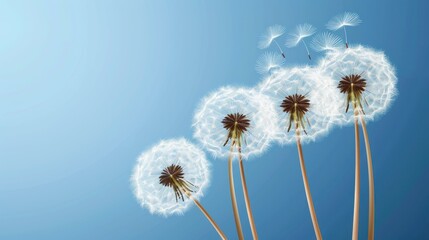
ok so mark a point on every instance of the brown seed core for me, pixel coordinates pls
(174, 177)
(296, 105)
(353, 85)
(236, 124)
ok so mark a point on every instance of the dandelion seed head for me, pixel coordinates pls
(359, 63)
(268, 62)
(270, 35)
(353, 86)
(301, 85)
(296, 105)
(236, 124)
(255, 111)
(326, 41)
(152, 181)
(302, 31)
(345, 19)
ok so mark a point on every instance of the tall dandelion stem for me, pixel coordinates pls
(357, 179)
(200, 206)
(246, 197)
(233, 198)
(371, 205)
(307, 187)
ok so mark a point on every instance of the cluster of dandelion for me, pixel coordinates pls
(290, 105)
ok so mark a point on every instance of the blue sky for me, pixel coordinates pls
(87, 86)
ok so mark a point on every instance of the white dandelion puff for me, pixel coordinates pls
(270, 36)
(356, 63)
(268, 62)
(302, 31)
(347, 19)
(309, 83)
(158, 198)
(325, 41)
(257, 108)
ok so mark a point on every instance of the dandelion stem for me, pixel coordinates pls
(246, 197)
(371, 207)
(357, 179)
(233, 198)
(307, 187)
(200, 206)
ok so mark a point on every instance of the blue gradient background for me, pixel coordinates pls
(86, 87)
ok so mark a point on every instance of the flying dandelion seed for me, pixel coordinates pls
(268, 62)
(302, 31)
(325, 42)
(170, 176)
(344, 20)
(367, 81)
(270, 36)
(246, 121)
(302, 83)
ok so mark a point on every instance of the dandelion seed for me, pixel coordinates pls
(302, 31)
(363, 75)
(268, 62)
(270, 36)
(325, 42)
(171, 175)
(344, 20)
(244, 119)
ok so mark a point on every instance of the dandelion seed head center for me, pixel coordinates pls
(295, 104)
(171, 174)
(352, 84)
(236, 121)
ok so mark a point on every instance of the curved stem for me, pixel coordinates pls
(246, 197)
(357, 179)
(307, 188)
(371, 206)
(233, 198)
(200, 206)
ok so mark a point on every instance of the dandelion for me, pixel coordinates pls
(302, 31)
(302, 94)
(367, 81)
(295, 83)
(344, 20)
(325, 42)
(268, 62)
(270, 36)
(170, 176)
(243, 119)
